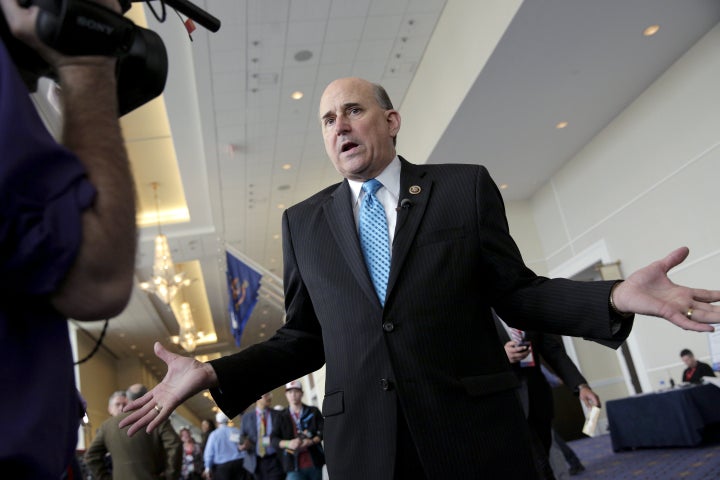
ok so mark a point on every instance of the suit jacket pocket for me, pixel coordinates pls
(441, 235)
(333, 403)
(489, 384)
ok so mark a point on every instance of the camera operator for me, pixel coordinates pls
(297, 433)
(67, 242)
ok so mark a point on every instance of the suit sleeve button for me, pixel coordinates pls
(386, 384)
(388, 326)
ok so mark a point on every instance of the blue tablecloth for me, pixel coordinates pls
(675, 418)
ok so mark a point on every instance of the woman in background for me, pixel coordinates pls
(192, 460)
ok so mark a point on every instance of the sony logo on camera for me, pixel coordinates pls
(91, 24)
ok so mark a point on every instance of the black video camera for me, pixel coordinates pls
(81, 27)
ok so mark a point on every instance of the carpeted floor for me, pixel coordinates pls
(601, 462)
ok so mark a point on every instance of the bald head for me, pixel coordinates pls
(136, 391)
(381, 96)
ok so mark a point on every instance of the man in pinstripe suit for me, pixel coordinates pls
(404, 370)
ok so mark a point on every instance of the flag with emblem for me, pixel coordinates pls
(243, 287)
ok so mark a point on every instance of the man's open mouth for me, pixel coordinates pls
(347, 146)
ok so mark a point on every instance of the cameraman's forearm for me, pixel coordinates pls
(100, 282)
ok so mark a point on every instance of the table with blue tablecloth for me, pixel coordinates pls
(675, 418)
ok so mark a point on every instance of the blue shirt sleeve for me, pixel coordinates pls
(43, 191)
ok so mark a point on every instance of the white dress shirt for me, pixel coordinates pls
(388, 195)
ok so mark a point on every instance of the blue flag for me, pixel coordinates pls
(243, 287)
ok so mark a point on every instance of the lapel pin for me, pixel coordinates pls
(415, 189)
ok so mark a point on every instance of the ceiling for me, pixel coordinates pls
(238, 149)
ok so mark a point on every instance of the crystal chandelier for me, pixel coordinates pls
(189, 335)
(165, 283)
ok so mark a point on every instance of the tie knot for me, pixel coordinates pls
(371, 186)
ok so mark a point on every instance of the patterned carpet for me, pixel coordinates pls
(601, 462)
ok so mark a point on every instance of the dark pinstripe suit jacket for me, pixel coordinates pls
(433, 348)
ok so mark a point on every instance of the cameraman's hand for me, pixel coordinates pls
(22, 25)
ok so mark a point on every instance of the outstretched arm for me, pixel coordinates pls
(649, 291)
(185, 377)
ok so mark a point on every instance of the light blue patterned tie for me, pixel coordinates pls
(374, 238)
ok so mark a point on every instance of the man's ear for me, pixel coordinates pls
(393, 119)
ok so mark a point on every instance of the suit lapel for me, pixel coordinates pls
(338, 211)
(415, 187)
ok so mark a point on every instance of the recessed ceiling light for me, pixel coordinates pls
(303, 55)
(297, 95)
(651, 30)
(261, 334)
(503, 186)
(286, 166)
(561, 125)
(281, 205)
(276, 236)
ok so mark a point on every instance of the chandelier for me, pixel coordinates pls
(189, 335)
(164, 283)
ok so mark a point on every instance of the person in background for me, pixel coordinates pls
(527, 351)
(261, 458)
(223, 459)
(389, 279)
(67, 240)
(141, 457)
(207, 426)
(118, 399)
(572, 462)
(192, 463)
(695, 369)
(298, 433)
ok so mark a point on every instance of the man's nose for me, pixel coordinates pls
(341, 125)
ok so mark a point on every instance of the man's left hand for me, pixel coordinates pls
(649, 291)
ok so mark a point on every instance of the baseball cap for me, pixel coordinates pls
(295, 384)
